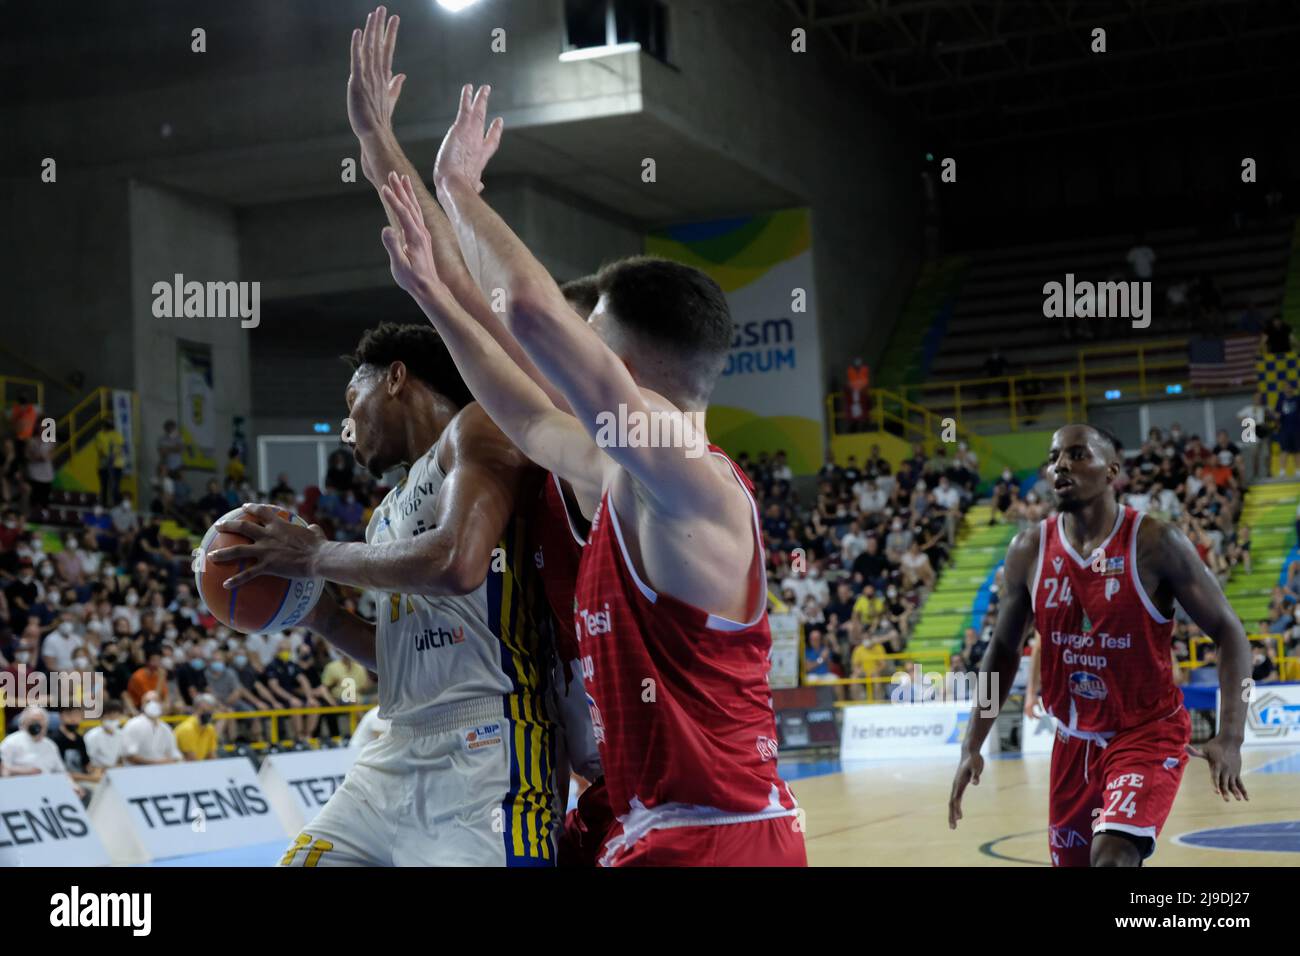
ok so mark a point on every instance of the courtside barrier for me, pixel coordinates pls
(298, 784)
(148, 813)
(1272, 716)
(42, 823)
(1037, 734)
(933, 729)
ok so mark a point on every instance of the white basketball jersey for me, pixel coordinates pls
(444, 650)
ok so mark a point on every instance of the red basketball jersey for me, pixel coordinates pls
(680, 697)
(1106, 663)
(556, 546)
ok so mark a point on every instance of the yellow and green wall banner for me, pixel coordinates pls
(198, 420)
(769, 397)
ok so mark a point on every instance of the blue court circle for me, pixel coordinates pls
(1279, 837)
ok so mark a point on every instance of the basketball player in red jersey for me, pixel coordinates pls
(1100, 581)
(671, 591)
(555, 525)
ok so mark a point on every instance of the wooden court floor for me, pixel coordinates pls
(895, 813)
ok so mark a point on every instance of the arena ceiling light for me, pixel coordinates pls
(455, 6)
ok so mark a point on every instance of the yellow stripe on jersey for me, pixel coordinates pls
(532, 816)
(515, 622)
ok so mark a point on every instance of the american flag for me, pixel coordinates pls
(1218, 362)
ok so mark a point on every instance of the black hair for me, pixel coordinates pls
(668, 302)
(582, 294)
(421, 350)
(1108, 436)
(678, 308)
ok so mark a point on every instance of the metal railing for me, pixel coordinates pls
(353, 710)
(942, 658)
(1288, 668)
(80, 426)
(911, 421)
(1040, 399)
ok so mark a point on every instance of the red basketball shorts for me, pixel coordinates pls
(774, 842)
(586, 828)
(1127, 786)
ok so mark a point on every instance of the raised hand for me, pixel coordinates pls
(466, 149)
(410, 249)
(372, 88)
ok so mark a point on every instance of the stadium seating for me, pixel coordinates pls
(961, 595)
(1269, 511)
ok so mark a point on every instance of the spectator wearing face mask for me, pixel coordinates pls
(22, 659)
(61, 645)
(313, 690)
(104, 744)
(196, 736)
(183, 606)
(897, 541)
(146, 739)
(98, 521)
(68, 564)
(897, 612)
(47, 606)
(22, 594)
(347, 680)
(250, 678)
(130, 610)
(29, 750)
(147, 680)
(191, 679)
(283, 677)
(72, 746)
(1263, 666)
(224, 685)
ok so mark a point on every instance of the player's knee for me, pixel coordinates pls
(1111, 850)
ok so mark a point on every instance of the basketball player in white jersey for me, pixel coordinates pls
(464, 775)
(373, 91)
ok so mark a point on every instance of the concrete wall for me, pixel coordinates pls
(64, 254)
(225, 165)
(172, 233)
(849, 161)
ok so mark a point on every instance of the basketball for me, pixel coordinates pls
(266, 603)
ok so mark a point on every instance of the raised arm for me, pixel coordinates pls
(1001, 661)
(550, 437)
(373, 90)
(1183, 577)
(485, 478)
(593, 380)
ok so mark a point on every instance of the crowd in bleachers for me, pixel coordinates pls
(341, 505)
(856, 562)
(114, 594)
